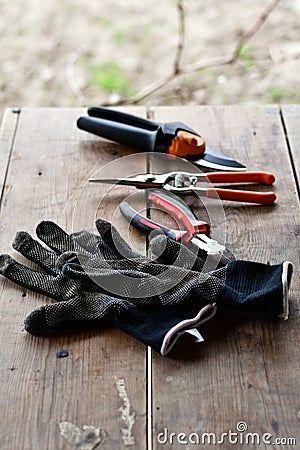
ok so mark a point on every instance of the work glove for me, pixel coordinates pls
(99, 280)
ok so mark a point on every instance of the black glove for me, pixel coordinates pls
(97, 279)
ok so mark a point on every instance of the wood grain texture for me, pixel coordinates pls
(7, 136)
(291, 120)
(50, 164)
(246, 369)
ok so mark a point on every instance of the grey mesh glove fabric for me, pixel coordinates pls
(97, 279)
(80, 271)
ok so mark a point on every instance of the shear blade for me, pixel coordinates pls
(214, 160)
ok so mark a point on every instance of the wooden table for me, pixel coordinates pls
(245, 371)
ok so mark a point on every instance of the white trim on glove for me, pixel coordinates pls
(206, 313)
(287, 271)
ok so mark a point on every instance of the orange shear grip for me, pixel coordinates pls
(186, 144)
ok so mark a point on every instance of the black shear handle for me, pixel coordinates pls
(131, 130)
(120, 127)
(121, 117)
(119, 132)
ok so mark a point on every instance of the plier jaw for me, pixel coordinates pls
(140, 181)
(174, 138)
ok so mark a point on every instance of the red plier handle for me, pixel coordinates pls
(181, 211)
(197, 235)
(265, 198)
(146, 225)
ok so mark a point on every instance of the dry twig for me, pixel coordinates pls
(213, 62)
(181, 36)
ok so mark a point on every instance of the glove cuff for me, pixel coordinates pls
(257, 288)
(161, 327)
(171, 337)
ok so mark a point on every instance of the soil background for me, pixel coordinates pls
(78, 53)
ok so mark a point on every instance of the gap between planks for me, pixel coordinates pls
(290, 153)
(16, 111)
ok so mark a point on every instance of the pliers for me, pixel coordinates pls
(186, 183)
(174, 138)
(197, 236)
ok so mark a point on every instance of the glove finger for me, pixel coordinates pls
(89, 246)
(57, 287)
(138, 281)
(143, 283)
(54, 237)
(34, 251)
(173, 253)
(76, 311)
(83, 241)
(114, 241)
(95, 266)
(122, 281)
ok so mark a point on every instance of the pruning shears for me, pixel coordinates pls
(174, 138)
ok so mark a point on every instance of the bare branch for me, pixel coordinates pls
(181, 35)
(247, 35)
(207, 64)
(213, 62)
(146, 92)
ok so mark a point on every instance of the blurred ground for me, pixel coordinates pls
(66, 53)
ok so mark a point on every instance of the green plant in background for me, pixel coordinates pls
(275, 93)
(111, 78)
(246, 54)
(278, 94)
(118, 37)
(105, 22)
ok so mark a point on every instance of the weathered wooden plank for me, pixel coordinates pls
(7, 136)
(243, 370)
(102, 382)
(291, 119)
